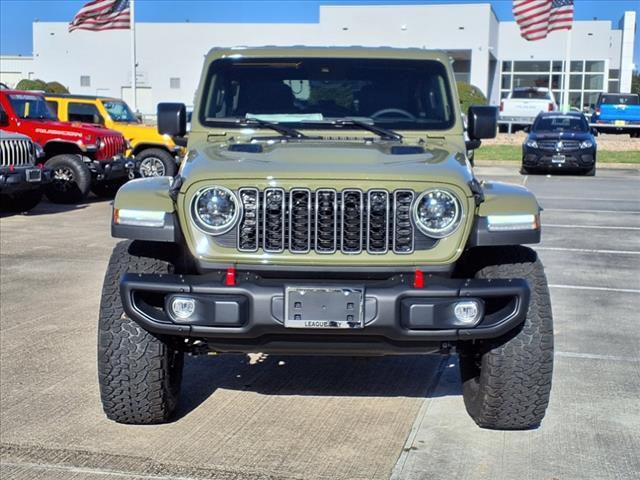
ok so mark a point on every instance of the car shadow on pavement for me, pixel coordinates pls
(399, 376)
(47, 208)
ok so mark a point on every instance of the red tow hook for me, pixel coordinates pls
(230, 277)
(418, 279)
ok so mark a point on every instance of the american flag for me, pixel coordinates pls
(537, 18)
(102, 15)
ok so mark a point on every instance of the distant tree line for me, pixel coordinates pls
(41, 85)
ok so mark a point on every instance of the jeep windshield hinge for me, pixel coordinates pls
(174, 189)
(476, 189)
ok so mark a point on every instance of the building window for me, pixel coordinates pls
(531, 66)
(576, 66)
(594, 66)
(85, 81)
(587, 79)
(593, 82)
(174, 82)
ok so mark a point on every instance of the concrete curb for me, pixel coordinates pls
(511, 163)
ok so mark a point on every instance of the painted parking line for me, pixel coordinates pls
(84, 471)
(588, 250)
(595, 356)
(588, 199)
(598, 289)
(603, 227)
(581, 210)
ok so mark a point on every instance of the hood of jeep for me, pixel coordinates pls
(325, 161)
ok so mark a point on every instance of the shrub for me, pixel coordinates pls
(470, 95)
(47, 87)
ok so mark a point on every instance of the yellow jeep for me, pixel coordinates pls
(155, 154)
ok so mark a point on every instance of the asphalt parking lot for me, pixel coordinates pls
(325, 418)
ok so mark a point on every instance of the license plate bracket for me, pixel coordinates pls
(33, 175)
(324, 307)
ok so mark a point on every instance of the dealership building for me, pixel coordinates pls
(485, 52)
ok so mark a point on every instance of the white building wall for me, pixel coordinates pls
(14, 68)
(626, 56)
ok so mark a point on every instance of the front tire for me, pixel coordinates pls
(507, 381)
(70, 179)
(139, 373)
(155, 162)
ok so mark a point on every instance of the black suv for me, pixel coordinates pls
(559, 141)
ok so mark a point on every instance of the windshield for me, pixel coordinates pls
(619, 99)
(119, 111)
(31, 107)
(561, 124)
(404, 94)
(531, 94)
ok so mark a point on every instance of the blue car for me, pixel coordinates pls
(617, 113)
(559, 142)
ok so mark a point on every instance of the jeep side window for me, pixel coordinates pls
(84, 112)
(30, 106)
(53, 106)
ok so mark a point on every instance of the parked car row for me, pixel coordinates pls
(612, 112)
(78, 144)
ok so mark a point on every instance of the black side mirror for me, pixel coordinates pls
(4, 118)
(594, 131)
(482, 122)
(172, 119)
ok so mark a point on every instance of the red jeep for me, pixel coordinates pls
(81, 156)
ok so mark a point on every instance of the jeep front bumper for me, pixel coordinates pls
(115, 168)
(20, 179)
(396, 318)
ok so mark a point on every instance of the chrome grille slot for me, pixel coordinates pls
(377, 221)
(274, 220)
(402, 229)
(326, 221)
(16, 153)
(248, 235)
(352, 221)
(552, 144)
(300, 210)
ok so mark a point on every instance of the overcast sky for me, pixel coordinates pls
(16, 16)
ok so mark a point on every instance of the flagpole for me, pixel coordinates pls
(567, 63)
(134, 89)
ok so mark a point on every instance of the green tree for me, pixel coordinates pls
(470, 95)
(47, 87)
(635, 82)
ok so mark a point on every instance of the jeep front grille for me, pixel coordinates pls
(326, 221)
(16, 153)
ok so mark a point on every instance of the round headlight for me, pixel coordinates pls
(215, 210)
(437, 213)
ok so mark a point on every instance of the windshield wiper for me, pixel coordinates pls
(281, 129)
(384, 133)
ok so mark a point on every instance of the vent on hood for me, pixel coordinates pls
(406, 150)
(246, 147)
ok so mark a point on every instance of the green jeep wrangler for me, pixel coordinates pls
(326, 205)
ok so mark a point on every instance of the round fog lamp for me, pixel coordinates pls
(182, 307)
(467, 312)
